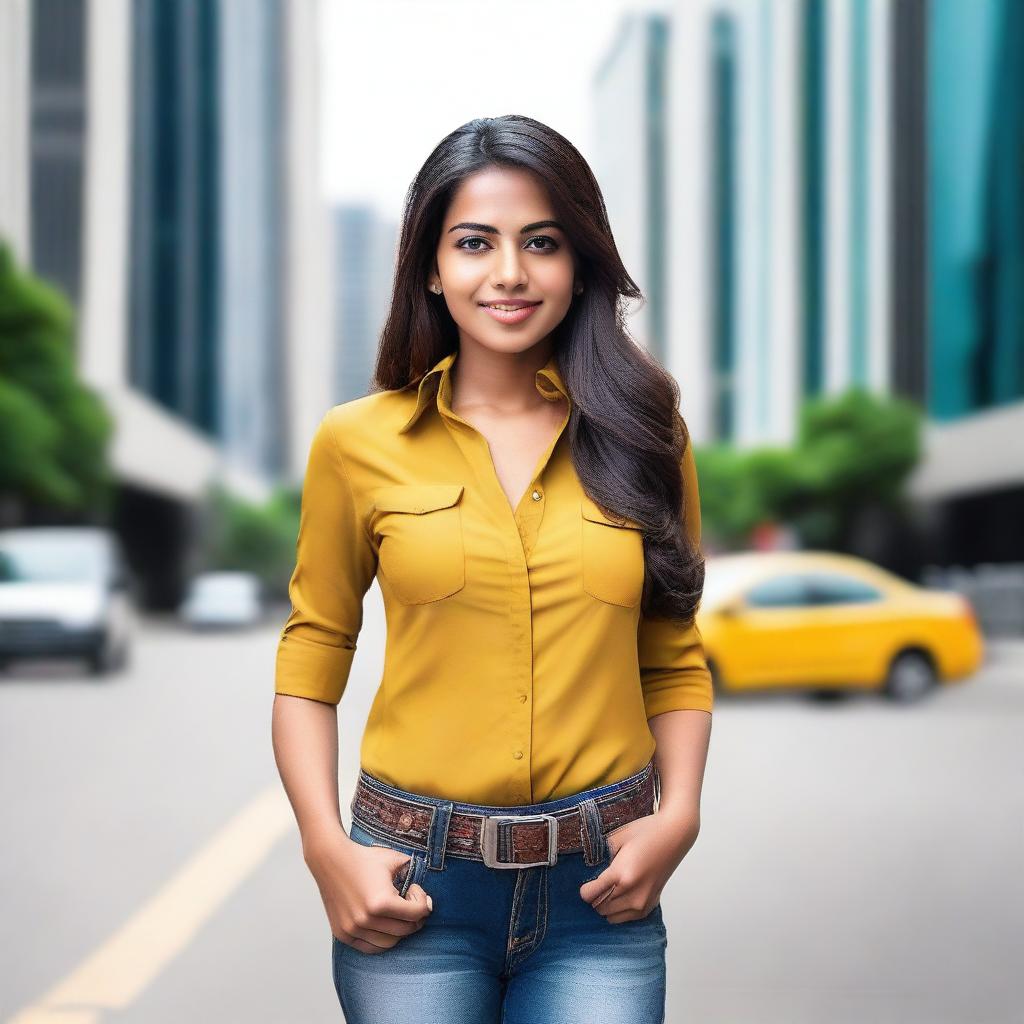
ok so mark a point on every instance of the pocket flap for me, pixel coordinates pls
(417, 498)
(595, 514)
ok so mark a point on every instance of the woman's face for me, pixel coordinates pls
(499, 242)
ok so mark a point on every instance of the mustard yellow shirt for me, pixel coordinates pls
(518, 667)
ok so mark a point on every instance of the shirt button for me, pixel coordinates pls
(522, 698)
(536, 495)
(518, 754)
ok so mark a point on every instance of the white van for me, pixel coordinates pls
(65, 592)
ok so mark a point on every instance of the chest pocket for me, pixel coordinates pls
(419, 527)
(613, 556)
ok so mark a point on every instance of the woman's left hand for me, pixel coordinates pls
(644, 852)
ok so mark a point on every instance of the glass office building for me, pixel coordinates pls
(866, 227)
(975, 179)
(174, 286)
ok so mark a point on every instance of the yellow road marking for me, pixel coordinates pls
(115, 974)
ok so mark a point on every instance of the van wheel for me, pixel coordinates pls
(107, 659)
(911, 676)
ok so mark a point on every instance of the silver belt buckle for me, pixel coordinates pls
(489, 841)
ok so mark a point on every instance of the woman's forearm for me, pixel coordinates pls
(683, 738)
(305, 739)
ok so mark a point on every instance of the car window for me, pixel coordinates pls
(836, 588)
(48, 559)
(789, 591)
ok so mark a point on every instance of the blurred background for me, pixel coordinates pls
(823, 202)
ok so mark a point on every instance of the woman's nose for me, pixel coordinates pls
(509, 270)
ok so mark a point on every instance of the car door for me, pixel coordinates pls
(762, 638)
(848, 617)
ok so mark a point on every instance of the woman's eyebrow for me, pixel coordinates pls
(471, 226)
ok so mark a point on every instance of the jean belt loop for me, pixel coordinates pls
(590, 832)
(437, 839)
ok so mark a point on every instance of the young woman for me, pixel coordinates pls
(521, 485)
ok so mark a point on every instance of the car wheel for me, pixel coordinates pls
(106, 659)
(911, 676)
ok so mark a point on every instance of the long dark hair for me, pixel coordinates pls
(626, 435)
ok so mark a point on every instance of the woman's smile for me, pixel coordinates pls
(508, 314)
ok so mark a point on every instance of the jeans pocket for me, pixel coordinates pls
(407, 873)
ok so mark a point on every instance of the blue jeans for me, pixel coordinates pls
(507, 946)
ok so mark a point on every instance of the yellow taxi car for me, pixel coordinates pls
(825, 621)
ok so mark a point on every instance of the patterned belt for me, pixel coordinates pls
(504, 840)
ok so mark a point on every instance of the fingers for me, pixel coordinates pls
(389, 921)
(369, 940)
(603, 897)
(598, 889)
(615, 897)
(620, 903)
(417, 892)
(413, 907)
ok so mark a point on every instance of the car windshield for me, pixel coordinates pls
(49, 560)
(722, 579)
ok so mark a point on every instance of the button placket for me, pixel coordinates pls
(526, 519)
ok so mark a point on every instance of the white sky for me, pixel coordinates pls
(399, 75)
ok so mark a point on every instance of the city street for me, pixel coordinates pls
(857, 862)
(749, 272)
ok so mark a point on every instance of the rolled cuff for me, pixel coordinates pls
(306, 668)
(691, 691)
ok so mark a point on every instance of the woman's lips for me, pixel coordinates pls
(511, 316)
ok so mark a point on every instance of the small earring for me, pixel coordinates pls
(436, 289)
(578, 290)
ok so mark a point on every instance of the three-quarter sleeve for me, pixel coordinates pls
(673, 671)
(334, 567)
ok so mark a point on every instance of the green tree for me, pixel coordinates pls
(732, 496)
(54, 429)
(855, 452)
(851, 458)
(240, 535)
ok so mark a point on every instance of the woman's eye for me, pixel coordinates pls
(545, 238)
(469, 243)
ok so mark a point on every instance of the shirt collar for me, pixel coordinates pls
(548, 380)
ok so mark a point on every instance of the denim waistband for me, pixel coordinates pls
(547, 807)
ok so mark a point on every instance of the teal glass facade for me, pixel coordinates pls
(656, 106)
(174, 286)
(975, 206)
(860, 153)
(723, 199)
(813, 93)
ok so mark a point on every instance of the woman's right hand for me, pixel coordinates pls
(358, 890)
